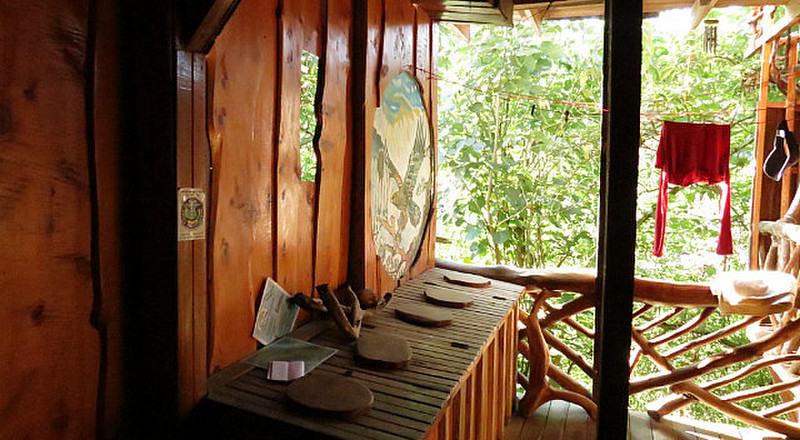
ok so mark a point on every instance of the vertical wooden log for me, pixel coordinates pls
(788, 182)
(503, 372)
(333, 200)
(481, 419)
(759, 185)
(50, 351)
(201, 178)
(184, 169)
(108, 171)
(618, 181)
(471, 413)
(422, 68)
(494, 397)
(294, 239)
(461, 414)
(242, 135)
(514, 343)
(366, 61)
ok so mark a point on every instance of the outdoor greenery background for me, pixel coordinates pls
(519, 185)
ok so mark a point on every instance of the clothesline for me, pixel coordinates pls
(584, 105)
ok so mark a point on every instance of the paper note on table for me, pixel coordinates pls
(276, 313)
(289, 349)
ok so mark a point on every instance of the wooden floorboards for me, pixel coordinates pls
(558, 420)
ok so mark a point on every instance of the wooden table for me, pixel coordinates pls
(459, 384)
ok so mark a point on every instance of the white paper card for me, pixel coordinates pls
(276, 314)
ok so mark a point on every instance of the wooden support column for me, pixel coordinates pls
(761, 140)
(622, 56)
(788, 182)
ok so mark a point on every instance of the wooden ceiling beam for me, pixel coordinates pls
(700, 10)
(461, 30)
(201, 37)
(565, 9)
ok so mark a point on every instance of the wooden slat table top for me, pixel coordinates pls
(407, 401)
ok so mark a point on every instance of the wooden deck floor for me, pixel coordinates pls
(560, 420)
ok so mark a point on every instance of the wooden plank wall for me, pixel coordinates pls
(50, 352)
(266, 222)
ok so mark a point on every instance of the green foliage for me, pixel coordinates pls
(521, 188)
(309, 72)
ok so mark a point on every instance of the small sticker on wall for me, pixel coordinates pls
(191, 214)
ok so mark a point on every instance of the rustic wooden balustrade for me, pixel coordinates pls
(659, 306)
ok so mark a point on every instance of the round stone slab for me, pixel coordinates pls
(463, 279)
(331, 393)
(423, 315)
(448, 298)
(383, 350)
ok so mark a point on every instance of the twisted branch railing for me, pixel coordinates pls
(660, 303)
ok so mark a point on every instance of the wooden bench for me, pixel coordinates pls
(460, 383)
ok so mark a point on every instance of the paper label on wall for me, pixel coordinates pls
(276, 313)
(191, 214)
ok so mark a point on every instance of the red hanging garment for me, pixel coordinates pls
(688, 154)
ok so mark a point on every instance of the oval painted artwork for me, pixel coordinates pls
(402, 175)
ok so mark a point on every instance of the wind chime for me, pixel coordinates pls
(710, 36)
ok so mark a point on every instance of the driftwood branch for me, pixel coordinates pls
(351, 326)
(662, 407)
(581, 280)
(685, 328)
(711, 337)
(740, 354)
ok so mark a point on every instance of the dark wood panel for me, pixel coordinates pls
(201, 178)
(108, 156)
(422, 69)
(185, 73)
(50, 351)
(616, 244)
(242, 90)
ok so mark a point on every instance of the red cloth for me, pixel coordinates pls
(693, 153)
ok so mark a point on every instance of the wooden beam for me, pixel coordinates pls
(700, 9)
(461, 30)
(759, 184)
(201, 38)
(622, 57)
(536, 19)
(778, 28)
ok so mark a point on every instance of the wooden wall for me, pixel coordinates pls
(111, 327)
(50, 353)
(87, 220)
(266, 222)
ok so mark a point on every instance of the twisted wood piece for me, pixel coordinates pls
(538, 390)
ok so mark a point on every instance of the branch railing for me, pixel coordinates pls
(667, 317)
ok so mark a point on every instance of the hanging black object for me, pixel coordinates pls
(710, 36)
(566, 116)
(533, 109)
(784, 154)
